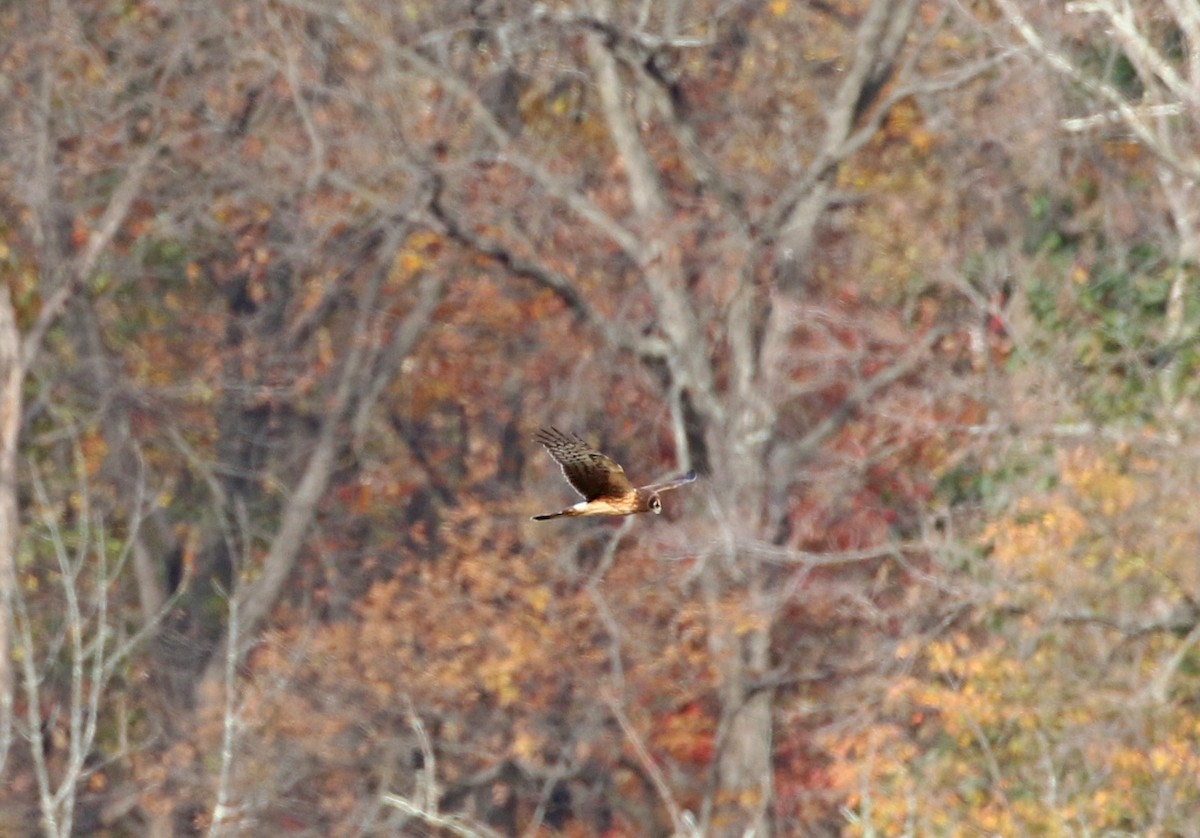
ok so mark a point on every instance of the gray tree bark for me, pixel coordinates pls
(10, 425)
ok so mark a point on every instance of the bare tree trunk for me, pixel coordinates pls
(739, 801)
(10, 425)
(745, 772)
(1180, 192)
(739, 798)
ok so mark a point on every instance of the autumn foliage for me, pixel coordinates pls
(287, 288)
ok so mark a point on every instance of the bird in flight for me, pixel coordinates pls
(605, 488)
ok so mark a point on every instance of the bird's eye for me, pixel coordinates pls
(656, 504)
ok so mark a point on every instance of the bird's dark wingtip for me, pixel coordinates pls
(546, 434)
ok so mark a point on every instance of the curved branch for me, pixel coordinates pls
(257, 598)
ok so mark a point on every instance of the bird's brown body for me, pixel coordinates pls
(602, 482)
(631, 505)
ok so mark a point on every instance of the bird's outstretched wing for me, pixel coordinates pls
(591, 473)
(673, 483)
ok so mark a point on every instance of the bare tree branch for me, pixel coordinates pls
(110, 222)
(1132, 116)
(793, 215)
(905, 365)
(677, 317)
(683, 826)
(645, 191)
(259, 596)
(452, 823)
(552, 185)
(1152, 65)
(562, 287)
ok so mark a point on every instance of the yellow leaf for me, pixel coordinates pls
(524, 745)
(411, 262)
(539, 598)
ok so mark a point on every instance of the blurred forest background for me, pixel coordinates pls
(287, 286)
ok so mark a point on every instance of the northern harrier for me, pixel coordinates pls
(605, 488)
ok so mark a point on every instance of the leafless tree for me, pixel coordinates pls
(1160, 43)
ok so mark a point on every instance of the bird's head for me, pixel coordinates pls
(655, 504)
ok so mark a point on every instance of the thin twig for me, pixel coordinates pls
(453, 823)
(679, 820)
(616, 670)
